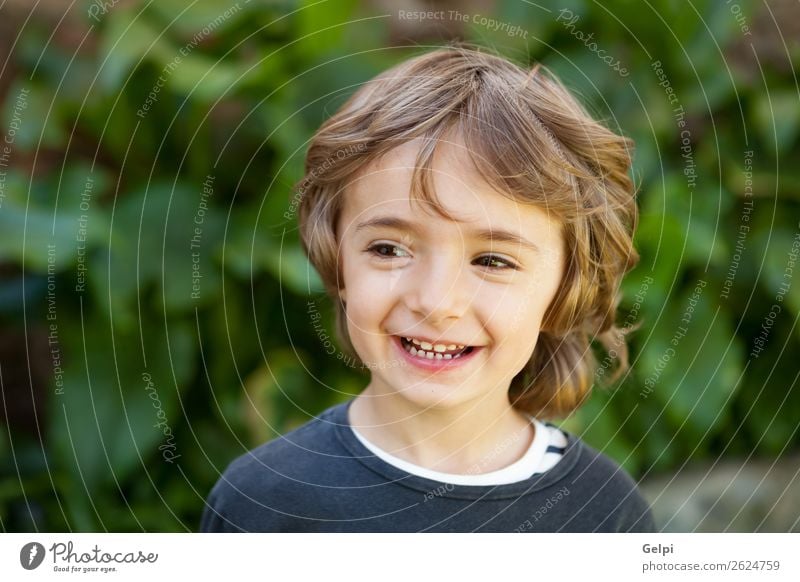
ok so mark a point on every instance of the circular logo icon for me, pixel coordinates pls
(31, 555)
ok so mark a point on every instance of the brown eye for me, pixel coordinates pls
(386, 251)
(495, 263)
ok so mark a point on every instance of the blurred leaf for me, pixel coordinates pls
(151, 243)
(128, 38)
(250, 250)
(106, 418)
(321, 24)
(32, 114)
(45, 237)
(239, 96)
(214, 15)
(207, 79)
(780, 250)
(692, 364)
(776, 115)
(281, 378)
(601, 429)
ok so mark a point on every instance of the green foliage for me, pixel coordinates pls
(198, 300)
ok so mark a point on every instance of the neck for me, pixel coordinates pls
(473, 438)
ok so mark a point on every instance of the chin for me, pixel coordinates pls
(436, 396)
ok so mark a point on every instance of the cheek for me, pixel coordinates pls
(368, 302)
(364, 279)
(515, 327)
(514, 316)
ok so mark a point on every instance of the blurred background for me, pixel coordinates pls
(158, 318)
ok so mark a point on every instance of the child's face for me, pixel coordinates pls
(439, 281)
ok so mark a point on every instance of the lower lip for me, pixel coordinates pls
(434, 364)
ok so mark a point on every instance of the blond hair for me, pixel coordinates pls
(530, 139)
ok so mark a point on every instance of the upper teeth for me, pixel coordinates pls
(435, 347)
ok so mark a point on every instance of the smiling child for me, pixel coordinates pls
(472, 224)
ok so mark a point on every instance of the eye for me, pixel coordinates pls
(390, 251)
(490, 262)
(386, 251)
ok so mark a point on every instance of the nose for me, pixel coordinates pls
(438, 289)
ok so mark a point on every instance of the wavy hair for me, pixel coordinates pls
(530, 139)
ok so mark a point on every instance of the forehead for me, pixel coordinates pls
(384, 188)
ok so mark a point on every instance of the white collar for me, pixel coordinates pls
(519, 470)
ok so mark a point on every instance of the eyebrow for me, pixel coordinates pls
(489, 235)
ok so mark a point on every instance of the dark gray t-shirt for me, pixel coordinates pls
(320, 478)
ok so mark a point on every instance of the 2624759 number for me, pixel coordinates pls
(766, 565)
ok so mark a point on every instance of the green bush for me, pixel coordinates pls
(151, 269)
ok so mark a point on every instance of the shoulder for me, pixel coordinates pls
(609, 493)
(260, 489)
(286, 453)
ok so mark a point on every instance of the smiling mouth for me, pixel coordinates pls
(417, 350)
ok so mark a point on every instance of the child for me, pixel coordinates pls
(472, 224)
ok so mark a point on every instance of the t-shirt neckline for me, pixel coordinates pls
(526, 464)
(338, 417)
